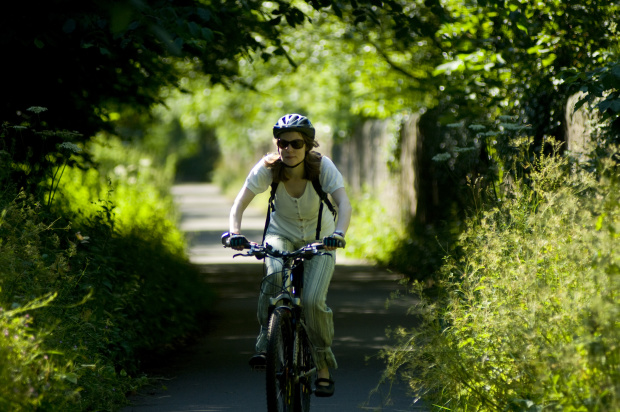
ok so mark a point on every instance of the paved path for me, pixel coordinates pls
(212, 374)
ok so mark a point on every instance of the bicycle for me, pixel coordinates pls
(290, 368)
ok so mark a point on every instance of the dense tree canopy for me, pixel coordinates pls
(84, 59)
(81, 58)
(88, 62)
(474, 61)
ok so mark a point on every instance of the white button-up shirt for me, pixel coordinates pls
(295, 218)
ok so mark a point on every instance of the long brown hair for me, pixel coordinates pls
(312, 162)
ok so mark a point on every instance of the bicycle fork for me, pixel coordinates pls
(299, 328)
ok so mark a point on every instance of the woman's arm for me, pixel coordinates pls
(344, 210)
(242, 201)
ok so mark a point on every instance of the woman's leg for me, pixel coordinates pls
(319, 317)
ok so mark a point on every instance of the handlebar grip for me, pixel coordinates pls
(333, 241)
(227, 237)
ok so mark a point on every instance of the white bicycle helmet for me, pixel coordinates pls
(295, 123)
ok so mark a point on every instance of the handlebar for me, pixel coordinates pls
(260, 251)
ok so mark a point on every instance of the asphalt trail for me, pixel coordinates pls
(212, 374)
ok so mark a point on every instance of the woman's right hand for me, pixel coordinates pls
(235, 240)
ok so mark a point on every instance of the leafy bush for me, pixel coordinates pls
(528, 317)
(37, 369)
(91, 285)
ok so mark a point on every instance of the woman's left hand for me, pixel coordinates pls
(334, 241)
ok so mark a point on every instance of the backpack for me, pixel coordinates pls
(323, 199)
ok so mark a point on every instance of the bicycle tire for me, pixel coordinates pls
(303, 364)
(279, 372)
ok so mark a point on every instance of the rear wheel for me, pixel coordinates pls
(280, 380)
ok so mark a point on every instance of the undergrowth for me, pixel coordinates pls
(528, 315)
(91, 283)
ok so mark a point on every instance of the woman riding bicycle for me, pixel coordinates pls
(293, 224)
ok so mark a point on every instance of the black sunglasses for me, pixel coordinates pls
(296, 144)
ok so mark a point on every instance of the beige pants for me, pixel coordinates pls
(319, 318)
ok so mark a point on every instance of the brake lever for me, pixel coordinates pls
(241, 254)
(313, 250)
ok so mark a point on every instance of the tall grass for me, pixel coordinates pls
(528, 318)
(32, 376)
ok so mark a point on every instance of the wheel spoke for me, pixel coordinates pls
(280, 394)
(304, 372)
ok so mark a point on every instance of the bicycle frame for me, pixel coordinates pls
(289, 363)
(291, 284)
(290, 299)
(294, 388)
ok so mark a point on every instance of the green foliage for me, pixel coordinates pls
(511, 56)
(476, 60)
(36, 156)
(374, 234)
(32, 377)
(502, 143)
(110, 55)
(121, 284)
(41, 259)
(527, 317)
(601, 89)
(470, 63)
(133, 222)
(336, 79)
(131, 188)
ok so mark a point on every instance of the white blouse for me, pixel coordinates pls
(295, 218)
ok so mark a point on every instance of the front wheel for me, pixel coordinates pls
(280, 380)
(304, 371)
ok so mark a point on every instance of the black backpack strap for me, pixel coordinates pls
(318, 223)
(323, 196)
(270, 208)
(324, 199)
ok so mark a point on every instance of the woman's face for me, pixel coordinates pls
(287, 143)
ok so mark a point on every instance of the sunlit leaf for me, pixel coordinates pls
(456, 65)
